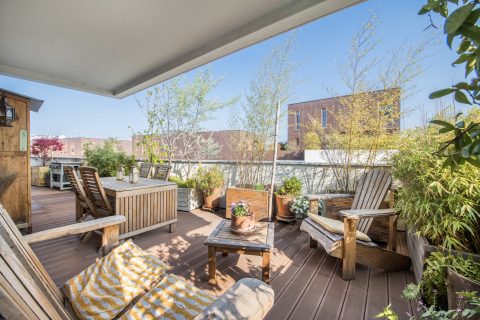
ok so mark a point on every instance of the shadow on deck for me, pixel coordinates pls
(306, 281)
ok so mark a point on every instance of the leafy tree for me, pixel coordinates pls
(461, 26)
(271, 87)
(44, 146)
(107, 158)
(176, 111)
(362, 125)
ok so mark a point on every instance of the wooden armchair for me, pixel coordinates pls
(370, 192)
(162, 172)
(87, 207)
(95, 192)
(146, 170)
(27, 291)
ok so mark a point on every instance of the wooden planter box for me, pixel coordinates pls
(419, 249)
(189, 199)
(257, 199)
(39, 176)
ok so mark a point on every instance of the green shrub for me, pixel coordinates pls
(107, 158)
(443, 205)
(189, 183)
(291, 187)
(433, 285)
(208, 179)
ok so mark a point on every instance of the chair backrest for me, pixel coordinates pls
(162, 171)
(146, 170)
(372, 188)
(26, 289)
(95, 192)
(77, 187)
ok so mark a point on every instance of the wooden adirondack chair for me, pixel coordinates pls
(371, 190)
(27, 292)
(162, 171)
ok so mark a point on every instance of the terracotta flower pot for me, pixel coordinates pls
(283, 207)
(212, 201)
(243, 224)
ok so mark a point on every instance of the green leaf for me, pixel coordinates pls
(473, 16)
(450, 38)
(461, 97)
(464, 57)
(441, 93)
(444, 124)
(469, 31)
(457, 18)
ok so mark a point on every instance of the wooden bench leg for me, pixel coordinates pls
(172, 227)
(212, 266)
(313, 243)
(349, 248)
(110, 238)
(266, 267)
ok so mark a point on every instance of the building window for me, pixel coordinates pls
(297, 120)
(324, 117)
(298, 142)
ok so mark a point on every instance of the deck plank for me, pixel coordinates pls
(307, 282)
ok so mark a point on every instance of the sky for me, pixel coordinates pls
(321, 47)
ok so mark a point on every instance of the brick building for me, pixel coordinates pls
(73, 147)
(324, 110)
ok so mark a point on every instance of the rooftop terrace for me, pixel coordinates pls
(306, 281)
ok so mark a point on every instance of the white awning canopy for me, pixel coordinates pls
(119, 47)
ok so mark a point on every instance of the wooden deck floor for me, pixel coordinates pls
(307, 282)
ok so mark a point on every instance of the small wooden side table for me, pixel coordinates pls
(259, 243)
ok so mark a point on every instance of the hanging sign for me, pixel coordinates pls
(23, 140)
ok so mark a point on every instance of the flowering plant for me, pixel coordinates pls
(299, 206)
(241, 209)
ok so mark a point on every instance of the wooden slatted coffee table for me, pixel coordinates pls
(259, 243)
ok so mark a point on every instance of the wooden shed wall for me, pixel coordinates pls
(17, 199)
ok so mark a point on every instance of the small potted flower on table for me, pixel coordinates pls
(243, 219)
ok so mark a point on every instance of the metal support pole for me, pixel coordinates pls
(274, 164)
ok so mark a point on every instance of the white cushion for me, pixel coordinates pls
(335, 226)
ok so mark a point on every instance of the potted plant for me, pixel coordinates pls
(210, 182)
(299, 207)
(440, 211)
(43, 147)
(291, 188)
(256, 195)
(188, 196)
(243, 218)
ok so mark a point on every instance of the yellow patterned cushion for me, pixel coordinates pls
(172, 298)
(104, 289)
(335, 226)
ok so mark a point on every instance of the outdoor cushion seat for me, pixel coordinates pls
(172, 298)
(105, 288)
(335, 226)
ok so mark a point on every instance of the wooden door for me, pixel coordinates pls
(13, 160)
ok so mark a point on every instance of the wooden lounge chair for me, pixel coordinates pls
(87, 207)
(95, 192)
(146, 170)
(162, 172)
(28, 292)
(371, 190)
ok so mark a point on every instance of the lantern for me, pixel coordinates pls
(7, 112)
(120, 173)
(134, 175)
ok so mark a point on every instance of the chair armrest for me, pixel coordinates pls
(328, 196)
(368, 213)
(247, 299)
(76, 228)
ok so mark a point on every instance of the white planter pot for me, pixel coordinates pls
(189, 199)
